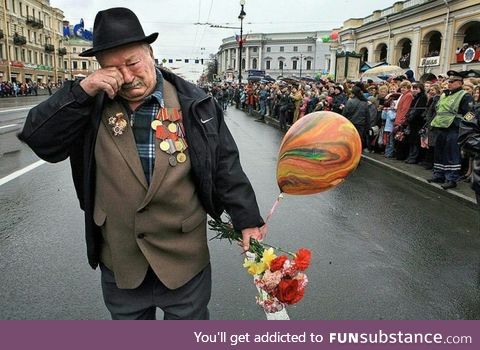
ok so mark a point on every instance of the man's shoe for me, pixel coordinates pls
(449, 184)
(436, 180)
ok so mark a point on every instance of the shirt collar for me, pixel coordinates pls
(157, 93)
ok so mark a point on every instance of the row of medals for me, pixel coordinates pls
(169, 131)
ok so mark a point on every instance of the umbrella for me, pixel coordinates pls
(382, 71)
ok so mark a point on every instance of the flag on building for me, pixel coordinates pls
(66, 30)
(78, 29)
(237, 38)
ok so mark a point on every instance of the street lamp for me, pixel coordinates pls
(241, 16)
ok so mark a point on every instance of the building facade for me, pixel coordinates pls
(278, 54)
(426, 36)
(32, 46)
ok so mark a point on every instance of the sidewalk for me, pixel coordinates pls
(413, 172)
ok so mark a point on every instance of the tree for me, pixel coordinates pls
(212, 67)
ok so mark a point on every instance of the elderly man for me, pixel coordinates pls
(451, 108)
(150, 156)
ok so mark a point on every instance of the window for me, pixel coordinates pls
(34, 37)
(254, 63)
(1, 50)
(243, 63)
(255, 49)
(30, 56)
(280, 65)
(294, 64)
(267, 64)
(36, 57)
(13, 6)
(23, 55)
(21, 9)
(309, 48)
(16, 54)
(186, 60)
(170, 60)
(75, 64)
(309, 65)
(29, 35)
(269, 49)
(295, 49)
(243, 49)
(65, 65)
(282, 49)
(74, 50)
(84, 65)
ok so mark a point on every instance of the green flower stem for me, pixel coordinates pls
(225, 230)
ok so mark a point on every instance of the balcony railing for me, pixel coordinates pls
(49, 48)
(62, 51)
(35, 23)
(19, 39)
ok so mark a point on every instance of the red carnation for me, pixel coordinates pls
(302, 259)
(277, 263)
(289, 291)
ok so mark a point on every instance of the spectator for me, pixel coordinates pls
(415, 122)
(356, 110)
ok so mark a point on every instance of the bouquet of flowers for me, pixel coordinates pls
(280, 279)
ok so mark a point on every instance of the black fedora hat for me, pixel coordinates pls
(116, 27)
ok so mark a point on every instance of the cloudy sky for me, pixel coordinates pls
(181, 38)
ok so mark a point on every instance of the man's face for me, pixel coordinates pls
(454, 83)
(136, 64)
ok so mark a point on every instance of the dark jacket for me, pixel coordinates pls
(66, 125)
(338, 100)
(357, 112)
(469, 139)
(415, 115)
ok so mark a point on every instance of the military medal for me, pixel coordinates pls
(172, 160)
(169, 131)
(181, 157)
(119, 124)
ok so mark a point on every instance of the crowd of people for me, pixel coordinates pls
(30, 88)
(394, 117)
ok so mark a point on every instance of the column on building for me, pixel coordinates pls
(371, 52)
(260, 58)
(391, 50)
(447, 46)
(236, 60)
(415, 51)
(247, 58)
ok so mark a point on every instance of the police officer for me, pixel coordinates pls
(451, 108)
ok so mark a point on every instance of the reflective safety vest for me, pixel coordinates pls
(447, 110)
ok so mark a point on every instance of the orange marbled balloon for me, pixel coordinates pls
(317, 153)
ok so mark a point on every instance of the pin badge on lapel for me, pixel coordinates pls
(119, 123)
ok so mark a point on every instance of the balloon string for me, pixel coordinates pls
(274, 207)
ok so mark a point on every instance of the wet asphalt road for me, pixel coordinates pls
(383, 247)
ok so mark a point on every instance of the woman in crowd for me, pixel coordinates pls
(401, 121)
(433, 96)
(415, 122)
